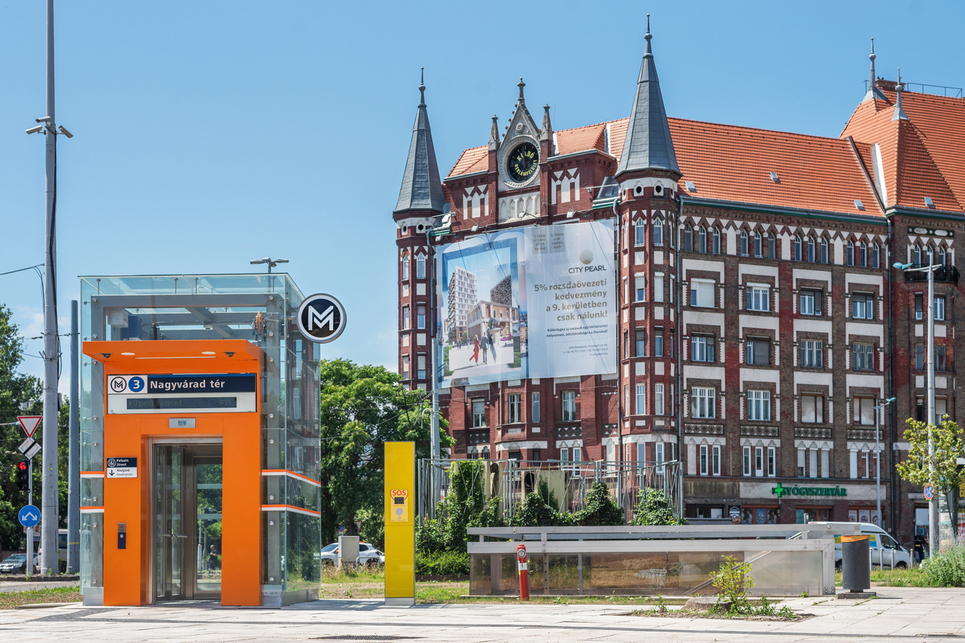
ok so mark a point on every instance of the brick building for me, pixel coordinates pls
(760, 319)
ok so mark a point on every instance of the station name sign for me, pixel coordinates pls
(230, 392)
(780, 491)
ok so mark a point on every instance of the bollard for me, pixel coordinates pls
(523, 572)
(855, 567)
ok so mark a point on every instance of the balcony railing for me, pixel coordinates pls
(944, 274)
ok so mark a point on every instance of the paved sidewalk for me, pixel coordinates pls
(899, 614)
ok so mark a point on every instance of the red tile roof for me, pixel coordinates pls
(731, 163)
(924, 156)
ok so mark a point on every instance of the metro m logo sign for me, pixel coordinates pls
(321, 318)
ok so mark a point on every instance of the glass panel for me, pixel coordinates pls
(303, 567)
(480, 575)
(208, 488)
(168, 520)
(91, 550)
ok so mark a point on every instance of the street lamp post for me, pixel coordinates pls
(271, 262)
(930, 390)
(878, 409)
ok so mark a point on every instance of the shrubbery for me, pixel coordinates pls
(445, 563)
(654, 508)
(946, 569)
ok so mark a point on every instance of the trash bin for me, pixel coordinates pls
(856, 563)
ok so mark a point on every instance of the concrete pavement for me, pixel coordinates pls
(899, 614)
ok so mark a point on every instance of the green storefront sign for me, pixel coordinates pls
(781, 491)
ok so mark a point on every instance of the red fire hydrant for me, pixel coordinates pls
(523, 572)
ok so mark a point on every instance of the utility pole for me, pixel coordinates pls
(48, 515)
(73, 468)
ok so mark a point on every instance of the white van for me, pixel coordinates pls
(885, 551)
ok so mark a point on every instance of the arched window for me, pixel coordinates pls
(701, 239)
(420, 267)
(916, 256)
(688, 239)
(862, 254)
(797, 248)
(640, 233)
(824, 250)
(405, 267)
(716, 235)
(931, 255)
(657, 231)
(941, 256)
(850, 256)
(743, 248)
(811, 249)
(771, 246)
(875, 256)
(758, 249)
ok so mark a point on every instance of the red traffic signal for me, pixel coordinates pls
(23, 475)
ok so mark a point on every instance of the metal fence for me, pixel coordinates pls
(568, 483)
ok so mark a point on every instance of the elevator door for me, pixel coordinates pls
(186, 526)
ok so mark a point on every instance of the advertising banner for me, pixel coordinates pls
(530, 302)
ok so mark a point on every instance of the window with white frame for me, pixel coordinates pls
(811, 302)
(513, 409)
(812, 353)
(405, 268)
(703, 402)
(813, 463)
(797, 248)
(862, 306)
(743, 243)
(760, 461)
(641, 399)
(758, 298)
(939, 308)
(715, 238)
(478, 413)
(658, 456)
(420, 316)
(864, 410)
(919, 306)
(639, 234)
(702, 348)
(658, 294)
(812, 409)
(709, 460)
(534, 407)
(641, 283)
(759, 406)
(702, 293)
(658, 406)
(824, 250)
(640, 336)
(405, 367)
(657, 231)
(658, 342)
(864, 463)
(421, 362)
(863, 356)
(569, 406)
(405, 318)
(420, 267)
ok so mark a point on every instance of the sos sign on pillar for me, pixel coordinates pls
(399, 524)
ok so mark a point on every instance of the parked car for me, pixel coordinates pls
(368, 555)
(17, 564)
(883, 547)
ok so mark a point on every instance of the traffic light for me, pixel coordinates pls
(23, 475)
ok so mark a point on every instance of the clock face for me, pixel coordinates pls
(522, 162)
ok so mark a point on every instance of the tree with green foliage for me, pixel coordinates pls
(19, 395)
(599, 510)
(940, 468)
(362, 408)
(654, 508)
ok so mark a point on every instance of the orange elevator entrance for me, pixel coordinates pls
(183, 475)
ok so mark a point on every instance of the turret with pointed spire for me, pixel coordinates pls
(421, 185)
(494, 135)
(898, 114)
(873, 91)
(648, 145)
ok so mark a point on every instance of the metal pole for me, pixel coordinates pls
(49, 518)
(30, 530)
(932, 504)
(434, 478)
(880, 410)
(73, 473)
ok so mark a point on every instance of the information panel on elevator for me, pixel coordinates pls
(228, 392)
(537, 301)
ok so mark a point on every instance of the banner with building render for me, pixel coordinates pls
(530, 302)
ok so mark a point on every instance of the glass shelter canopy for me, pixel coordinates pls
(260, 309)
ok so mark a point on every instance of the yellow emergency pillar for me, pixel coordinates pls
(399, 524)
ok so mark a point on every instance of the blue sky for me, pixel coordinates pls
(210, 133)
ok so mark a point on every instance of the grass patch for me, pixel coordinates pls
(912, 577)
(70, 594)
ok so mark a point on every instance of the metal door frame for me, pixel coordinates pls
(190, 526)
